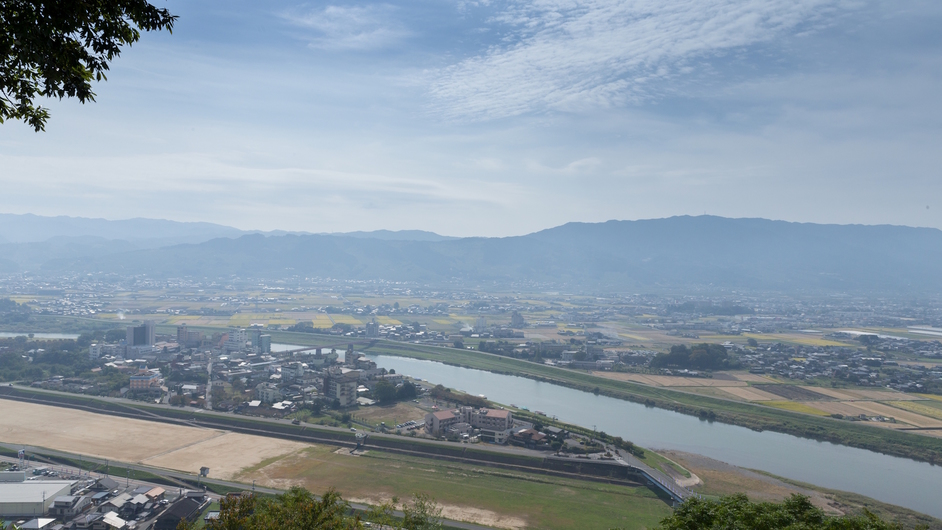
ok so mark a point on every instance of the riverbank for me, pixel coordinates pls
(720, 478)
(753, 416)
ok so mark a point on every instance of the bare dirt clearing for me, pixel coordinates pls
(750, 394)
(883, 395)
(93, 434)
(667, 380)
(750, 378)
(137, 441)
(462, 513)
(793, 393)
(912, 418)
(836, 394)
(227, 455)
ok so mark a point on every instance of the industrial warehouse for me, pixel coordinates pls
(43, 498)
(22, 498)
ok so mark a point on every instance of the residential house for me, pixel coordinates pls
(186, 509)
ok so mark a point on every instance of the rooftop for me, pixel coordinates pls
(33, 490)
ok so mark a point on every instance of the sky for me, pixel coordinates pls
(495, 118)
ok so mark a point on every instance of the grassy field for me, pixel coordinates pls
(472, 493)
(391, 414)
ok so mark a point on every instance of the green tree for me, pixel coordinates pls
(55, 49)
(737, 511)
(114, 335)
(406, 391)
(423, 513)
(384, 392)
(296, 509)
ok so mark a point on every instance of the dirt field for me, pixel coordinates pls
(836, 394)
(793, 393)
(461, 513)
(926, 408)
(797, 406)
(917, 420)
(851, 409)
(882, 395)
(92, 434)
(749, 378)
(669, 381)
(842, 407)
(223, 454)
(750, 394)
(126, 440)
(712, 391)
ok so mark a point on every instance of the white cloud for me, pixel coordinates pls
(350, 28)
(577, 54)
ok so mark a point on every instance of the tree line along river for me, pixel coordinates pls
(907, 483)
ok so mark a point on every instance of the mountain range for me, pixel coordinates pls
(672, 254)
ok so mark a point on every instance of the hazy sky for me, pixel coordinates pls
(502, 117)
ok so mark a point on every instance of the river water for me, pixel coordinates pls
(51, 336)
(899, 481)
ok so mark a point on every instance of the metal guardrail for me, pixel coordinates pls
(678, 493)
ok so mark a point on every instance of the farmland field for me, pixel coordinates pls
(912, 418)
(795, 406)
(751, 394)
(793, 393)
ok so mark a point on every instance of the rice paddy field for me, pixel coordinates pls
(884, 408)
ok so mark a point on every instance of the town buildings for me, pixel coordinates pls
(341, 384)
(494, 425)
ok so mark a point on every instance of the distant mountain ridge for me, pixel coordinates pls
(394, 235)
(29, 228)
(676, 253)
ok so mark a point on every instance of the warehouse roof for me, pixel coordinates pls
(33, 490)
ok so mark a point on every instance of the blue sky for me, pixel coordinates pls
(500, 118)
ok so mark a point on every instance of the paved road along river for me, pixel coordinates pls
(899, 481)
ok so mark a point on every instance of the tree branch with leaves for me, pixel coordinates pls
(56, 48)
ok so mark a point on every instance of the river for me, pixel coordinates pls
(51, 336)
(914, 485)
